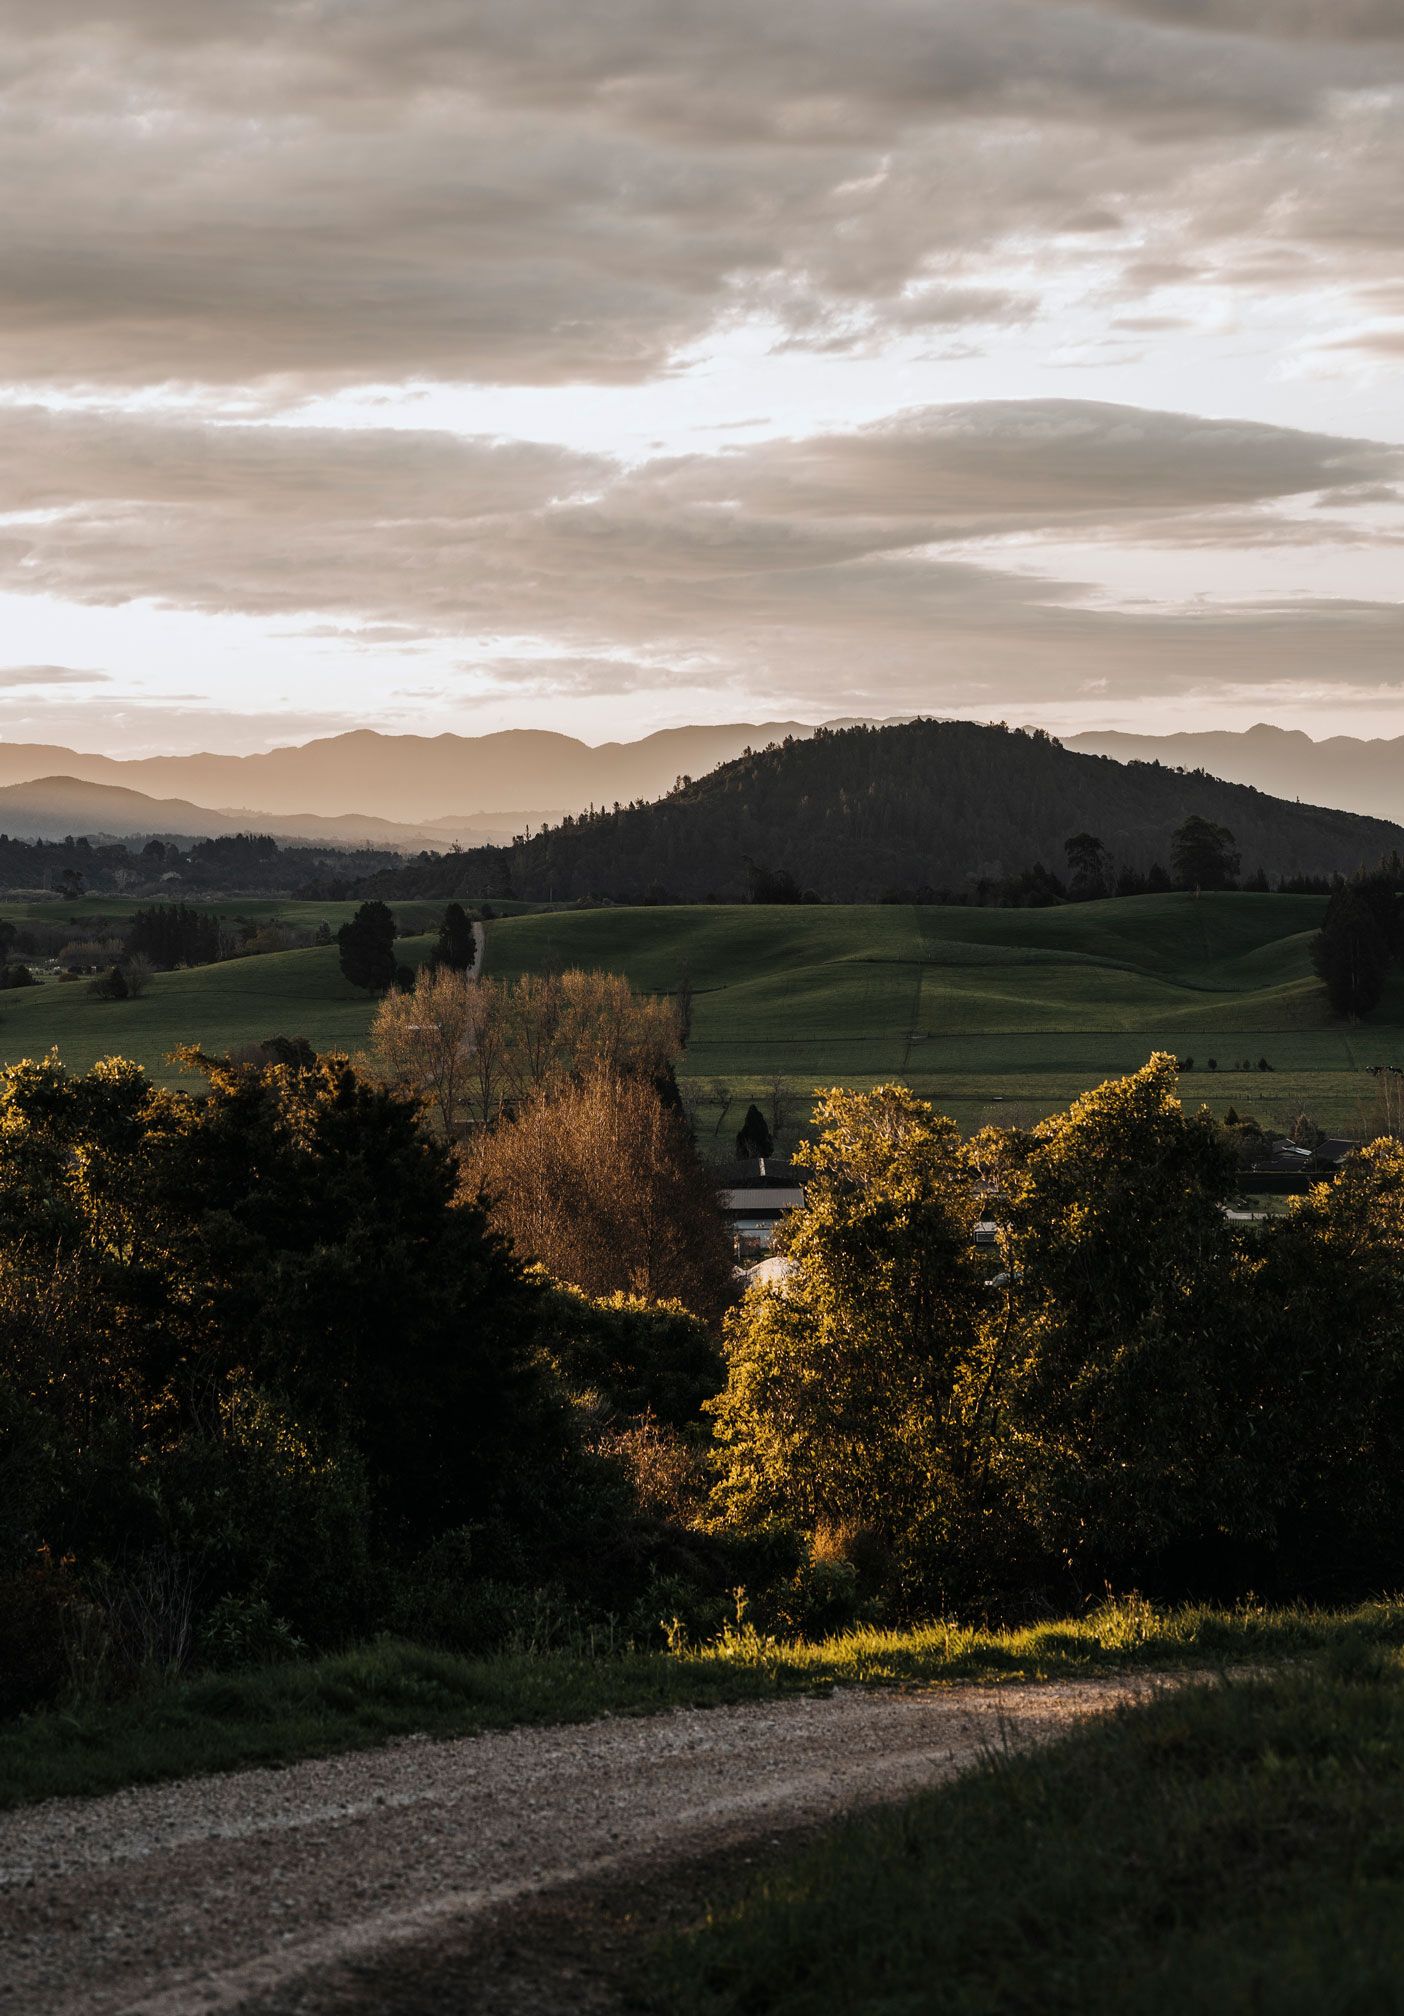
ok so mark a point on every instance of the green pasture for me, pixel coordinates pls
(216, 1007)
(990, 1013)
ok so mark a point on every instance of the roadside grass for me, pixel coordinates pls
(276, 1714)
(1235, 1849)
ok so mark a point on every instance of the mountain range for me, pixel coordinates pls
(1359, 776)
(855, 813)
(445, 785)
(50, 808)
(414, 791)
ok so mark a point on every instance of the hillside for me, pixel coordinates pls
(857, 812)
(1356, 775)
(981, 1009)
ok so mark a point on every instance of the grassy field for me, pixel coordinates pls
(353, 1700)
(1233, 1849)
(991, 1013)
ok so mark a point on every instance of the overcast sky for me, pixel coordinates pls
(473, 363)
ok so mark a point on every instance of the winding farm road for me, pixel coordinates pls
(286, 1890)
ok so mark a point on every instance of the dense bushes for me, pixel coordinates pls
(252, 1351)
(1133, 1391)
(269, 1378)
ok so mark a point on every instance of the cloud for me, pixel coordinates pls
(1317, 20)
(291, 197)
(876, 563)
(22, 676)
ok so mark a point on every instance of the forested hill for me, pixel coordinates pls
(856, 812)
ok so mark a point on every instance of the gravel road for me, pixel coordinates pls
(278, 1889)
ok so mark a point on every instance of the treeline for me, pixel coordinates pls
(1362, 938)
(251, 863)
(851, 814)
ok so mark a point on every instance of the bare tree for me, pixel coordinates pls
(425, 1040)
(138, 971)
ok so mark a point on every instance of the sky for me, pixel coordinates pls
(605, 365)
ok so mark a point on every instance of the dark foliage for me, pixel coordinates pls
(854, 812)
(456, 946)
(367, 945)
(174, 934)
(1352, 953)
(753, 1136)
(1202, 855)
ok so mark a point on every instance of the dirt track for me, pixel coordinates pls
(284, 1890)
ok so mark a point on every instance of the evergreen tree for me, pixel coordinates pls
(754, 1136)
(368, 948)
(457, 947)
(1351, 954)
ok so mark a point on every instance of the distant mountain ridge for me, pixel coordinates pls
(51, 808)
(509, 777)
(1358, 776)
(854, 813)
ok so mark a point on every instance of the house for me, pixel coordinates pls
(756, 1191)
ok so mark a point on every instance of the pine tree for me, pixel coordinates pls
(1351, 955)
(368, 948)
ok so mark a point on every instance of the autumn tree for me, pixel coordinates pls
(600, 1182)
(425, 1042)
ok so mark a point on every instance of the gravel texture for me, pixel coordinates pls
(282, 1889)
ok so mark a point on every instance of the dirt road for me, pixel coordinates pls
(282, 1890)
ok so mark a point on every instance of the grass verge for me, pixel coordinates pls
(1231, 1849)
(355, 1700)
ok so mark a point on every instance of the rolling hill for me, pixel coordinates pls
(854, 813)
(986, 1011)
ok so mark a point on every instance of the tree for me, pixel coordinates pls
(110, 986)
(457, 944)
(600, 1182)
(175, 934)
(1089, 867)
(753, 1136)
(367, 945)
(1122, 1305)
(1202, 855)
(855, 1389)
(424, 1041)
(1350, 954)
(289, 1231)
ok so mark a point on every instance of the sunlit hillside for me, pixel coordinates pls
(983, 1008)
